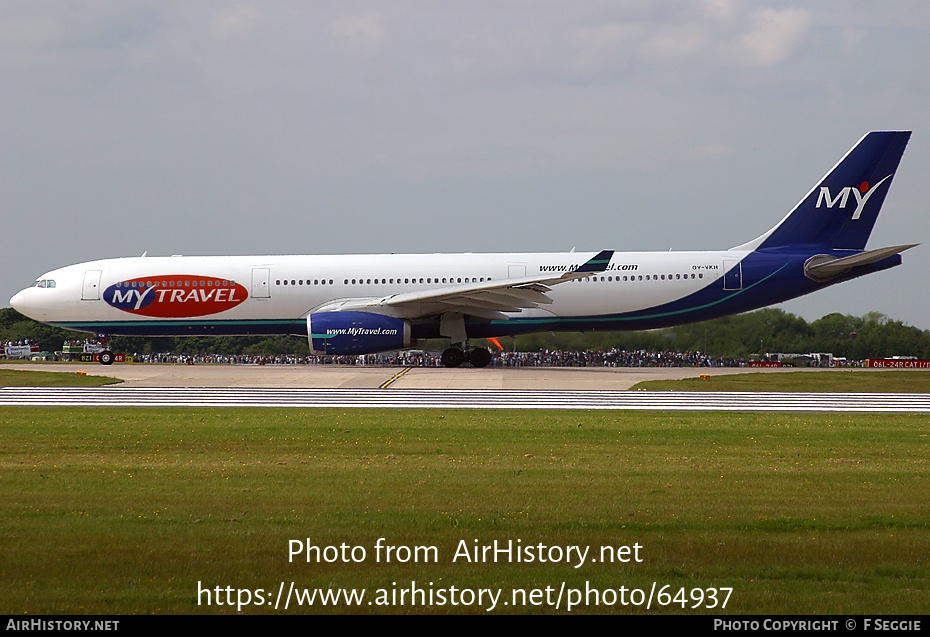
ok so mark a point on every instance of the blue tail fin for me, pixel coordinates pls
(840, 211)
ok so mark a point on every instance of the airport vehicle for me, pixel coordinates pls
(357, 304)
(13, 351)
(81, 350)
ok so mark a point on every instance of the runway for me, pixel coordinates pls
(208, 397)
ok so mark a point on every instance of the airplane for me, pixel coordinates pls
(360, 304)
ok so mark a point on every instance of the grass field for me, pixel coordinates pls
(897, 381)
(125, 510)
(16, 378)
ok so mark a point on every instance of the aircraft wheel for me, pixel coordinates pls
(106, 357)
(479, 357)
(452, 357)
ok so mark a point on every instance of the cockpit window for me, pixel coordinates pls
(44, 283)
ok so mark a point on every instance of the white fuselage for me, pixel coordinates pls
(291, 287)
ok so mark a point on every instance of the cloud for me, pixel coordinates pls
(774, 34)
(719, 34)
(678, 42)
(233, 20)
(364, 32)
(720, 10)
(853, 37)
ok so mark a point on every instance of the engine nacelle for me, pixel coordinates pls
(356, 333)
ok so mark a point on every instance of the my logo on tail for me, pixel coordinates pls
(862, 193)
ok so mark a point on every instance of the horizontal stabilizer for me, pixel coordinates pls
(823, 267)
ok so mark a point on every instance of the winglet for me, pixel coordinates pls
(598, 263)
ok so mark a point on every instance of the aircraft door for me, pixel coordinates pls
(516, 271)
(91, 289)
(261, 283)
(732, 274)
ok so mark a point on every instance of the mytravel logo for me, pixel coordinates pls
(175, 296)
(861, 195)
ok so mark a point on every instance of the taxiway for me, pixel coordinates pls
(373, 377)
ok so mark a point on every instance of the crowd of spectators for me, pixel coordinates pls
(420, 358)
(19, 343)
(614, 358)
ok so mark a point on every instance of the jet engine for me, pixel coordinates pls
(356, 333)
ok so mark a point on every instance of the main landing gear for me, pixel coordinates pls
(455, 356)
(452, 326)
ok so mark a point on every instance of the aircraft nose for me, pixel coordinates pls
(24, 302)
(18, 302)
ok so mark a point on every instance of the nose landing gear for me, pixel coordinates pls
(105, 357)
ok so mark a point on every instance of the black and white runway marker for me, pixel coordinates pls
(465, 399)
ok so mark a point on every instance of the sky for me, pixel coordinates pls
(320, 127)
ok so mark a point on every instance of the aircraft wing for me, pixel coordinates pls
(488, 299)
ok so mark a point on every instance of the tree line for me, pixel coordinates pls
(743, 335)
